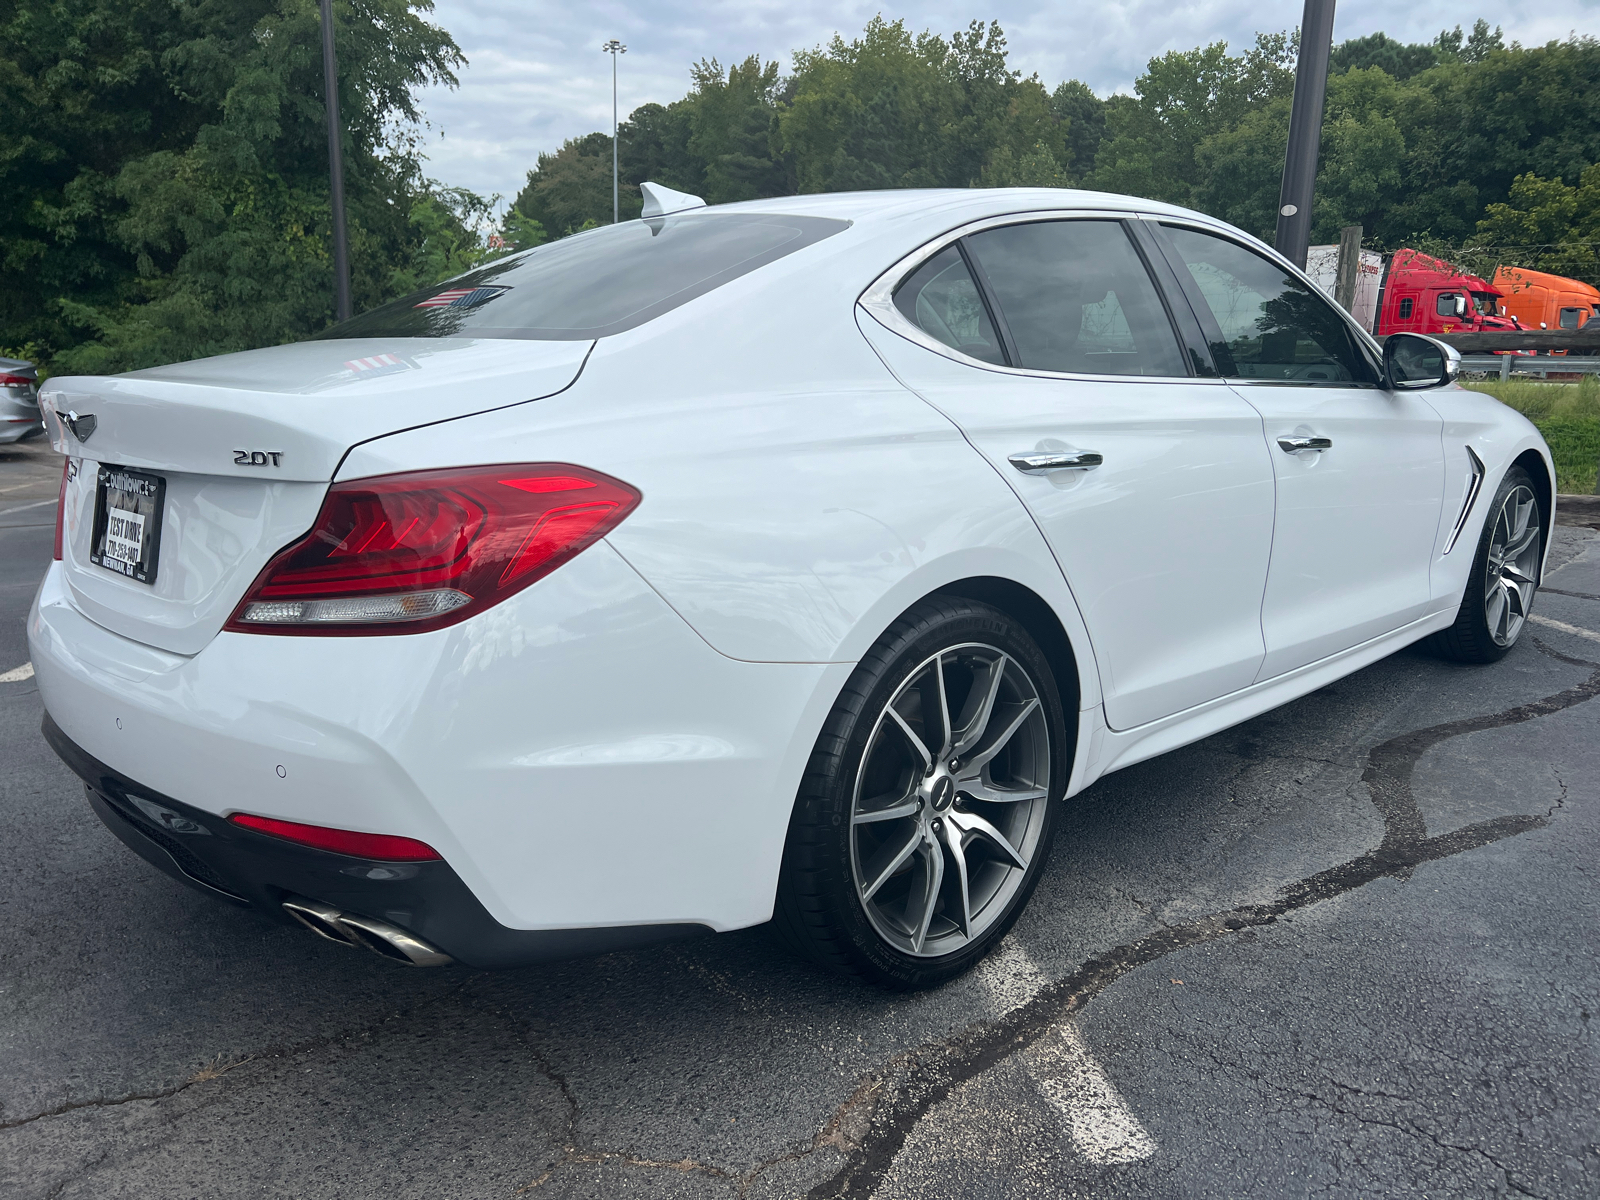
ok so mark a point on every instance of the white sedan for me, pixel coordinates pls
(788, 561)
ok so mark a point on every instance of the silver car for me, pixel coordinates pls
(19, 400)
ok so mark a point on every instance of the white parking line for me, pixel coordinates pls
(1565, 628)
(6, 512)
(1093, 1113)
(1102, 1127)
(17, 674)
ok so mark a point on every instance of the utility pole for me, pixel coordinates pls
(613, 48)
(341, 242)
(1305, 132)
(1348, 273)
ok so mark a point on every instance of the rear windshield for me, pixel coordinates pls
(597, 283)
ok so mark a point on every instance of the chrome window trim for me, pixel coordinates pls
(878, 298)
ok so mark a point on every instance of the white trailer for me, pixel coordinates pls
(1322, 264)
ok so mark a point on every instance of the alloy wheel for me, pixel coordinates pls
(1512, 566)
(950, 799)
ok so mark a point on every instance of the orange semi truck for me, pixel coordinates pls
(1543, 301)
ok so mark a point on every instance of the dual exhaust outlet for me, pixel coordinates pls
(378, 936)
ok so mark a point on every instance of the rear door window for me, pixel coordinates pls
(941, 299)
(594, 284)
(1271, 325)
(1075, 297)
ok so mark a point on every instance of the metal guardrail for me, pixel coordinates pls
(1538, 365)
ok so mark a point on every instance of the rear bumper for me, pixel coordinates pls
(253, 870)
(581, 759)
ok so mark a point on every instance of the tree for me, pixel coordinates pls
(731, 119)
(1083, 121)
(570, 190)
(1395, 59)
(165, 171)
(1547, 225)
(1183, 98)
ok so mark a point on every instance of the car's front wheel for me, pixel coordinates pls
(927, 809)
(1505, 576)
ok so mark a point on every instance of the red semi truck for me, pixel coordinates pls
(1412, 292)
(1423, 294)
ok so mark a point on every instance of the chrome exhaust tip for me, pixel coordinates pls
(378, 936)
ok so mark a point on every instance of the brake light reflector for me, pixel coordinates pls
(384, 846)
(406, 553)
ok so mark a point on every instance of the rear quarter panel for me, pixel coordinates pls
(797, 498)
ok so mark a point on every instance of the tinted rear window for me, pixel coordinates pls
(597, 283)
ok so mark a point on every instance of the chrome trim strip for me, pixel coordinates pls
(878, 298)
(1474, 486)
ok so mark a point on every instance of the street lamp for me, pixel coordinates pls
(1305, 132)
(614, 48)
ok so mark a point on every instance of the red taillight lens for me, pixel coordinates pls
(61, 506)
(383, 846)
(7, 380)
(405, 553)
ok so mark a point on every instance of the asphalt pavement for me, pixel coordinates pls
(1351, 948)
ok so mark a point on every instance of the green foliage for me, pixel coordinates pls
(572, 186)
(1575, 446)
(163, 169)
(1153, 143)
(1568, 415)
(888, 109)
(1546, 225)
(1395, 59)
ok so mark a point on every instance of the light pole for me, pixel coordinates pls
(341, 241)
(1305, 132)
(613, 48)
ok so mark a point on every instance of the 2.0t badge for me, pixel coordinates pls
(256, 458)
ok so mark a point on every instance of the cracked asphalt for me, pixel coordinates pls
(1350, 948)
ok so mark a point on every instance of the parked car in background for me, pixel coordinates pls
(19, 400)
(789, 560)
(1540, 300)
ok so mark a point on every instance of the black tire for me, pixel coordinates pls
(1471, 639)
(820, 911)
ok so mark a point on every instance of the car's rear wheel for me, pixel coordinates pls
(1504, 578)
(927, 809)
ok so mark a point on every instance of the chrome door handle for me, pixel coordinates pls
(1039, 463)
(1293, 445)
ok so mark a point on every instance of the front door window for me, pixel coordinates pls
(1272, 326)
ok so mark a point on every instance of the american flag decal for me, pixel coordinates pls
(461, 297)
(379, 364)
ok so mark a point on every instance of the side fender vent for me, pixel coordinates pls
(1474, 486)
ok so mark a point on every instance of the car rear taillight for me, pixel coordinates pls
(406, 553)
(61, 506)
(385, 847)
(8, 380)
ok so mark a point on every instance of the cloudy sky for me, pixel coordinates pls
(537, 75)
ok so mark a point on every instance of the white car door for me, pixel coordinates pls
(1360, 470)
(1153, 486)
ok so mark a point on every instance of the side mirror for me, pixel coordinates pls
(1412, 362)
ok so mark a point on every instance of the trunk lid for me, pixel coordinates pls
(244, 447)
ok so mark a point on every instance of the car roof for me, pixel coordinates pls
(963, 203)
